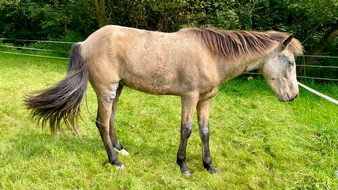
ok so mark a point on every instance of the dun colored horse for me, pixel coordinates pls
(191, 63)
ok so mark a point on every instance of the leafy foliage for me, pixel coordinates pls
(43, 18)
(39, 19)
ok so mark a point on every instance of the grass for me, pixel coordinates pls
(256, 141)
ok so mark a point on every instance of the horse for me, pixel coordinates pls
(191, 63)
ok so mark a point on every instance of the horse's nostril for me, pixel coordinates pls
(296, 96)
(293, 98)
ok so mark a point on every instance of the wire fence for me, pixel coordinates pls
(13, 49)
(33, 55)
(36, 48)
(8, 40)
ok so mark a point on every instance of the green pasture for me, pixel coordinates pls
(256, 141)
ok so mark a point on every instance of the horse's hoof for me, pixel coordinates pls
(212, 170)
(122, 167)
(123, 152)
(186, 173)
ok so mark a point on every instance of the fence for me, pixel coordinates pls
(28, 50)
(9, 50)
(319, 72)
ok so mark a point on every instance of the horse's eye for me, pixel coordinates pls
(292, 63)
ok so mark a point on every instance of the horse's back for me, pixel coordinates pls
(152, 62)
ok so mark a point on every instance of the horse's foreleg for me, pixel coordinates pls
(188, 106)
(203, 109)
(116, 143)
(105, 104)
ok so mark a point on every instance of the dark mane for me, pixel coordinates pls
(235, 44)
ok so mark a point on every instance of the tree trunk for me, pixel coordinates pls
(320, 47)
(100, 8)
(65, 28)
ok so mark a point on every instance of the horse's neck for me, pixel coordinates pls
(229, 70)
(253, 65)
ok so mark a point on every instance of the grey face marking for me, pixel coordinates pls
(283, 59)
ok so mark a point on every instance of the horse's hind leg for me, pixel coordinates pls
(116, 143)
(105, 105)
(203, 109)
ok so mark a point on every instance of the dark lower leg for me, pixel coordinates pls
(112, 157)
(188, 106)
(181, 154)
(117, 145)
(204, 134)
(105, 104)
(115, 141)
(203, 109)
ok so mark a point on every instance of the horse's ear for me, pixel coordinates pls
(286, 42)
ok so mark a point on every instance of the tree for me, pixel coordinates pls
(319, 30)
(327, 39)
(217, 13)
(33, 19)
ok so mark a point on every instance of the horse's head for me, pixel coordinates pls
(279, 70)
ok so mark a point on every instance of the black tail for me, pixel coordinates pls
(61, 104)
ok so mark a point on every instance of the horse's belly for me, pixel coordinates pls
(160, 84)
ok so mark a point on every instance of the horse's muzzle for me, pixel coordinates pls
(288, 98)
